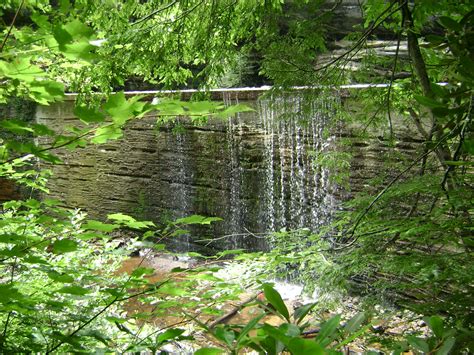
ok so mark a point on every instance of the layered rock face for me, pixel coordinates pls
(254, 170)
(259, 171)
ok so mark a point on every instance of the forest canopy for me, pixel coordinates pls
(407, 239)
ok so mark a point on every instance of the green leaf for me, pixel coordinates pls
(446, 347)
(418, 344)
(79, 50)
(436, 325)
(459, 163)
(47, 157)
(32, 259)
(16, 126)
(197, 219)
(276, 333)
(41, 20)
(56, 276)
(230, 252)
(77, 29)
(441, 111)
(328, 330)
(9, 293)
(119, 108)
(169, 334)
(64, 246)
(46, 91)
(290, 330)
(130, 221)
(300, 346)
(42, 130)
(13, 238)
(209, 351)
(468, 146)
(94, 333)
(91, 235)
(354, 323)
(276, 301)
(74, 290)
(250, 325)
(61, 36)
(173, 290)
(232, 110)
(427, 101)
(201, 107)
(88, 115)
(227, 336)
(99, 226)
(450, 24)
(140, 271)
(21, 69)
(103, 134)
(302, 311)
(204, 276)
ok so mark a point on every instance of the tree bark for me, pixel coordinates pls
(442, 152)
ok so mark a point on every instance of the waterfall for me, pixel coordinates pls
(282, 187)
(235, 216)
(297, 192)
(255, 170)
(181, 187)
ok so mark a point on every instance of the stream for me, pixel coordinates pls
(386, 320)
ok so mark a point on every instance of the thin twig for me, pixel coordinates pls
(459, 147)
(11, 25)
(361, 40)
(392, 78)
(154, 13)
(7, 322)
(384, 190)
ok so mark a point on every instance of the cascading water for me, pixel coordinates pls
(294, 192)
(180, 186)
(235, 218)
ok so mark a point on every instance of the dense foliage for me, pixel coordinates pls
(408, 238)
(411, 236)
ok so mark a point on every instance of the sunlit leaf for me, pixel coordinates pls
(74, 290)
(99, 226)
(276, 301)
(302, 311)
(64, 246)
(418, 344)
(197, 219)
(56, 276)
(88, 115)
(168, 335)
(305, 346)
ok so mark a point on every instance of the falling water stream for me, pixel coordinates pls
(294, 192)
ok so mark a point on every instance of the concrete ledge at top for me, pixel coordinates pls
(244, 94)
